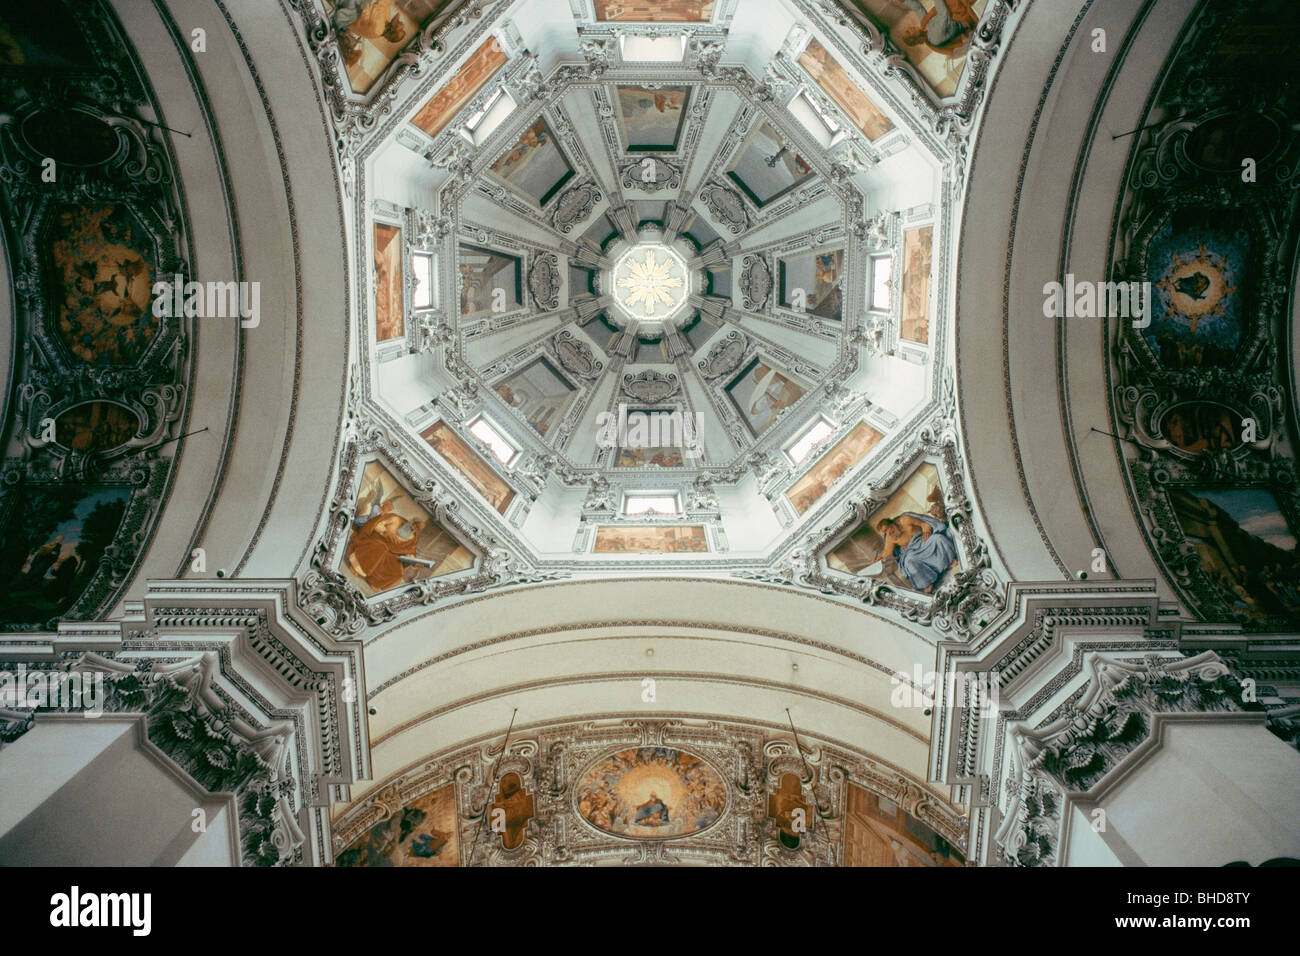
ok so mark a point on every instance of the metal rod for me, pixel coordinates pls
(1116, 437)
(492, 787)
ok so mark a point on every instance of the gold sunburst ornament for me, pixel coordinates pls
(650, 283)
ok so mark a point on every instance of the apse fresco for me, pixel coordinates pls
(762, 392)
(539, 392)
(836, 82)
(534, 165)
(423, 833)
(393, 541)
(442, 107)
(390, 315)
(914, 319)
(934, 35)
(907, 541)
(371, 33)
(651, 793)
(104, 261)
(95, 427)
(878, 832)
(654, 11)
(651, 119)
(482, 273)
(768, 166)
(654, 538)
(443, 439)
(54, 537)
(1197, 263)
(819, 278)
(832, 466)
(1194, 427)
(1246, 546)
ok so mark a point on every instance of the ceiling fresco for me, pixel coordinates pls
(100, 390)
(650, 792)
(1205, 391)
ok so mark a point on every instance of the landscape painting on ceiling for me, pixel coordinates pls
(393, 541)
(372, 32)
(811, 282)
(836, 82)
(390, 316)
(1197, 263)
(481, 66)
(934, 35)
(443, 439)
(651, 119)
(907, 541)
(767, 166)
(53, 539)
(1246, 546)
(103, 262)
(651, 793)
(879, 832)
(762, 392)
(534, 165)
(832, 466)
(654, 11)
(488, 277)
(423, 833)
(539, 393)
(914, 320)
(658, 538)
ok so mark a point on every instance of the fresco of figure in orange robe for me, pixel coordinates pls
(376, 547)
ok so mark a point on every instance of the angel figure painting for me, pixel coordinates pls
(908, 542)
(394, 541)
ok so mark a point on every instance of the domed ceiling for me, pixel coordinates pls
(655, 293)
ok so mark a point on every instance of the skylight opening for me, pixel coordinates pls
(502, 448)
(424, 294)
(882, 269)
(811, 437)
(482, 124)
(670, 49)
(817, 120)
(652, 503)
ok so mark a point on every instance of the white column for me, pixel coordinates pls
(78, 791)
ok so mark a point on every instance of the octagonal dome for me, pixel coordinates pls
(670, 312)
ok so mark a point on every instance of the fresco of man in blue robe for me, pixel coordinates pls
(652, 813)
(921, 545)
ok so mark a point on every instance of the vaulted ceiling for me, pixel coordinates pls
(602, 342)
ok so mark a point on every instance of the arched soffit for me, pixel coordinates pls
(1074, 81)
(725, 648)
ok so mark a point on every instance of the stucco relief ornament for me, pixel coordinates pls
(600, 497)
(576, 356)
(650, 386)
(574, 206)
(544, 281)
(877, 234)
(598, 52)
(755, 283)
(707, 54)
(458, 159)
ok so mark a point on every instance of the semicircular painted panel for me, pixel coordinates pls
(651, 793)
